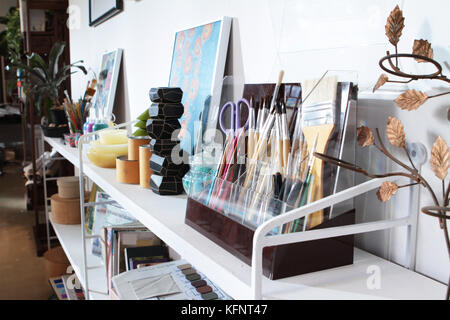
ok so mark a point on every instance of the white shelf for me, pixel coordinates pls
(70, 238)
(165, 217)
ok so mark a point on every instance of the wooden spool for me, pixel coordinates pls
(68, 187)
(65, 211)
(56, 262)
(133, 146)
(127, 170)
(144, 166)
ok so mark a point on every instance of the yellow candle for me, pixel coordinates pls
(119, 149)
(102, 159)
(113, 137)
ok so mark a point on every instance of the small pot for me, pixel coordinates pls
(58, 116)
(55, 132)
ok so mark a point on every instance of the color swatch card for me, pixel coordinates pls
(58, 286)
(175, 280)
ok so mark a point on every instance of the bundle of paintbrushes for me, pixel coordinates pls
(269, 168)
(77, 112)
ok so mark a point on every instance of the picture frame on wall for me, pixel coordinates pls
(107, 79)
(198, 66)
(102, 10)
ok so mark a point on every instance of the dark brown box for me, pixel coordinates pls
(278, 261)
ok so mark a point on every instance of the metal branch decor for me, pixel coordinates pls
(395, 132)
(422, 52)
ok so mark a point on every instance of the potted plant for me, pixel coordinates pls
(44, 83)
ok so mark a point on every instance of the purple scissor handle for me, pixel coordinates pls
(235, 116)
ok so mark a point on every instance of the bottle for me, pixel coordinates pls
(86, 124)
(101, 123)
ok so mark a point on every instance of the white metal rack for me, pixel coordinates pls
(241, 281)
(69, 234)
(45, 161)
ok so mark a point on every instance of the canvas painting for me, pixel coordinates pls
(107, 83)
(198, 63)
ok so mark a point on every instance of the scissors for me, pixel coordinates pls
(235, 116)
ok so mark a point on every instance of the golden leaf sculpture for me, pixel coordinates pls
(395, 132)
(381, 81)
(386, 191)
(365, 136)
(394, 26)
(422, 48)
(411, 100)
(440, 157)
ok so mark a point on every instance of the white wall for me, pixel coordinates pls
(304, 38)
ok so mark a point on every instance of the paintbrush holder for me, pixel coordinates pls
(227, 219)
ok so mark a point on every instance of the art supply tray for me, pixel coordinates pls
(223, 219)
(228, 203)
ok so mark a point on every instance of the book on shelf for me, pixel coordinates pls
(108, 214)
(118, 239)
(145, 255)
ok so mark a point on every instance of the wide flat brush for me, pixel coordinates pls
(318, 120)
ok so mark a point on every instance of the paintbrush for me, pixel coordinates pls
(259, 152)
(67, 96)
(285, 135)
(278, 137)
(266, 112)
(251, 129)
(264, 136)
(318, 120)
(302, 196)
(276, 90)
(219, 169)
(90, 92)
(260, 116)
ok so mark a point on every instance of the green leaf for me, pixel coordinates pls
(41, 72)
(53, 60)
(140, 133)
(144, 116)
(37, 61)
(65, 69)
(31, 71)
(141, 125)
(62, 79)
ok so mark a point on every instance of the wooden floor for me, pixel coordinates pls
(22, 273)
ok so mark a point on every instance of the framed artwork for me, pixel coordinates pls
(198, 63)
(107, 83)
(102, 10)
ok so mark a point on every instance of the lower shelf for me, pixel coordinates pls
(70, 238)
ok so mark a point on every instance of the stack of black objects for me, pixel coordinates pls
(164, 113)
